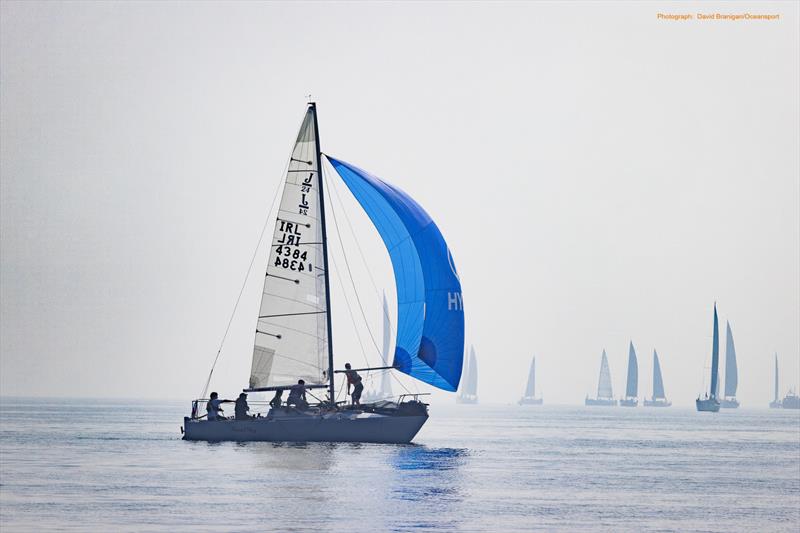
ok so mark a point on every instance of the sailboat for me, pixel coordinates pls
(729, 400)
(529, 398)
(605, 396)
(710, 402)
(294, 333)
(631, 398)
(469, 387)
(385, 390)
(791, 400)
(775, 404)
(658, 399)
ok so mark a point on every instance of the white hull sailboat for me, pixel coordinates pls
(469, 386)
(728, 400)
(710, 403)
(293, 336)
(658, 399)
(605, 396)
(529, 398)
(631, 398)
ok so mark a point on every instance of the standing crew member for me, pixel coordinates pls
(355, 380)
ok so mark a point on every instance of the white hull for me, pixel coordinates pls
(657, 403)
(530, 401)
(594, 402)
(291, 425)
(729, 403)
(710, 405)
(631, 402)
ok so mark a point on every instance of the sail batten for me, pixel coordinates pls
(430, 319)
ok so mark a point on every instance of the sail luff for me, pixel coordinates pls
(658, 382)
(731, 370)
(632, 386)
(715, 356)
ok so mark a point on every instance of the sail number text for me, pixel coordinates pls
(287, 254)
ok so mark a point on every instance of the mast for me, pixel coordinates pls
(331, 389)
(776, 377)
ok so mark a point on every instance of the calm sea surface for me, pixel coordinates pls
(121, 465)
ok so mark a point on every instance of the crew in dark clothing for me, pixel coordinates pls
(242, 408)
(355, 380)
(275, 402)
(297, 395)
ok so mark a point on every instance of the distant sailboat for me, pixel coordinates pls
(632, 386)
(385, 390)
(775, 404)
(605, 395)
(791, 401)
(469, 388)
(710, 402)
(659, 399)
(729, 401)
(530, 388)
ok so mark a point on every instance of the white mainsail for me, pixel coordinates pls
(386, 379)
(604, 384)
(658, 382)
(731, 371)
(530, 388)
(291, 340)
(632, 385)
(472, 378)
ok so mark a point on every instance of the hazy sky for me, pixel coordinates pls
(600, 175)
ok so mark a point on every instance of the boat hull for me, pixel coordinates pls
(467, 400)
(729, 403)
(710, 405)
(791, 402)
(775, 405)
(600, 402)
(290, 425)
(632, 402)
(530, 401)
(657, 403)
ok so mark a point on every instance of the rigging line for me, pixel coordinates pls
(349, 309)
(352, 282)
(363, 259)
(278, 189)
(374, 285)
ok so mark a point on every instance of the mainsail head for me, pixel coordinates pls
(430, 316)
(604, 384)
(731, 372)
(632, 386)
(291, 339)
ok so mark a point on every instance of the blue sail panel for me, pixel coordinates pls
(430, 318)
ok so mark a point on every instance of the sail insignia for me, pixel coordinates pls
(430, 319)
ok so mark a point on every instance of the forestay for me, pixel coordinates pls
(291, 338)
(430, 319)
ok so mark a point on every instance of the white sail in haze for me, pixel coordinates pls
(658, 382)
(731, 371)
(386, 378)
(632, 385)
(472, 378)
(291, 339)
(604, 384)
(530, 388)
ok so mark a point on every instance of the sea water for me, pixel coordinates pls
(117, 465)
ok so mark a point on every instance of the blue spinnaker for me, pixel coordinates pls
(430, 312)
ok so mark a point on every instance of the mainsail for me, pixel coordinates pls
(471, 385)
(776, 378)
(715, 356)
(632, 387)
(731, 372)
(658, 382)
(604, 385)
(291, 340)
(530, 388)
(430, 315)
(386, 379)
